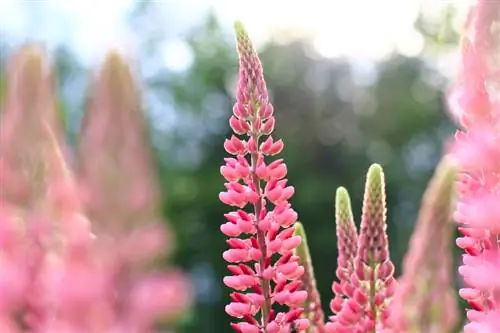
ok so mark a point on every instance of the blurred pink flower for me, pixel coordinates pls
(62, 272)
(474, 100)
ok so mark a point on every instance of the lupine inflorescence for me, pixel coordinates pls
(475, 103)
(261, 241)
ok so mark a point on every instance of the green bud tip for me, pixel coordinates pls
(447, 172)
(444, 181)
(343, 210)
(342, 198)
(239, 28)
(243, 41)
(302, 251)
(375, 174)
(299, 231)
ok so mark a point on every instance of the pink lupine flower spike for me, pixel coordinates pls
(269, 228)
(475, 104)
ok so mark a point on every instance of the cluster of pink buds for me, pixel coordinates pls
(366, 283)
(275, 276)
(347, 244)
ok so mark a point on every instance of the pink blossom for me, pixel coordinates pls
(481, 322)
(474, 100)
(482, 272)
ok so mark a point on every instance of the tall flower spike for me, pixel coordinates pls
(347, 238)
(67, 288)
(254, 181)
(119, 181)
(372, 279)
(424, 301)
(118, 178)
(27, 114)
(372, 264)
(29, 103)
(475, 102)
(312, 305)
(115, 166)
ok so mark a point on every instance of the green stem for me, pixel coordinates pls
(261, 239)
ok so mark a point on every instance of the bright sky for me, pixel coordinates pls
(361, 29)
(358, 28)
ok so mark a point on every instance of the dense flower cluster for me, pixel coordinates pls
(475, 103)
(252, 180)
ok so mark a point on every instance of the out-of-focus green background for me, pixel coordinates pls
(339, 106)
